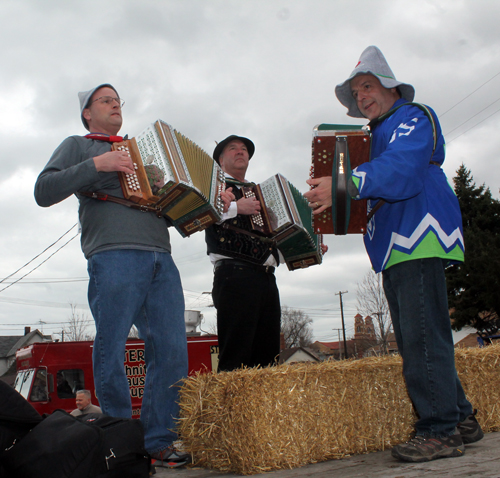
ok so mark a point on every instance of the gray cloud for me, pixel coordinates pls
(266, 70)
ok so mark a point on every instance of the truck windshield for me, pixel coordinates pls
(23, 382)
(39, 392)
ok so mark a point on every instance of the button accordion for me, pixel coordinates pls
(175, 176)
(286, 217)
(336, 151)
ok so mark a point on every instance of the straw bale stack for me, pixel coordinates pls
(257, 420)
(479, 371)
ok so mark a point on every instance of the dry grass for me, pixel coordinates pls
(257, 420)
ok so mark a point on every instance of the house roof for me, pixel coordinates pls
(335, 345)
(469, 340)
(9, 376)
(6, 344)
(10, 344)
(287, 353)
(330, 345)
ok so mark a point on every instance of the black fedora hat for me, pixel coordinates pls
(220, 146)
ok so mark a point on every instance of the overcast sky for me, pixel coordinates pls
(265, 69)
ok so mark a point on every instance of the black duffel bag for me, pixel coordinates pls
(89, 446)
(17, 418)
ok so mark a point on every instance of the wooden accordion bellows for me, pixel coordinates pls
(174, 175)
(336, 150)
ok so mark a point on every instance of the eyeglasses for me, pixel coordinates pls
(108, 100)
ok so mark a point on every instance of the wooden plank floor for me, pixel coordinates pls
(481, 459)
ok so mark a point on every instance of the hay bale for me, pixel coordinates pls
(479, 372)
(258, 420)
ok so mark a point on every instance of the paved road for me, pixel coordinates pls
(481, 459)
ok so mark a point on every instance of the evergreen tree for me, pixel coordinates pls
(474, 286)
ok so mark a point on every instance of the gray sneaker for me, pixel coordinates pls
(470, 430)
(420, 448)
(170, 458)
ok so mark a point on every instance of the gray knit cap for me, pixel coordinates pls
(84, 97)
(371, 61)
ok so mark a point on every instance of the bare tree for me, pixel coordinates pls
(211, 328)
(296, 327)
(371, 301)
(76, 330)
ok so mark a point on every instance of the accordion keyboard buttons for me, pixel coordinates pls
(132, 179)
(256, 218)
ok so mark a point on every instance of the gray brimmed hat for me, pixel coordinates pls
(84, 97)
(220, 146)
(373, 62)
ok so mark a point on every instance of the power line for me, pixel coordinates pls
(54, 281)
(33, 324)
(470, 94)
(61, 305)
(41, 263)
(477, 124)
(462, 100)
(38, 303)
(466, 121)
(46, 249)
(189, 259)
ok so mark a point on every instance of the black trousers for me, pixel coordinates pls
(248, 316)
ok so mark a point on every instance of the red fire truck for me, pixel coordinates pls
(50, 373)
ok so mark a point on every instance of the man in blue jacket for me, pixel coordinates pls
(415, 232)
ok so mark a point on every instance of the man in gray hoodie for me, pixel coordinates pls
(133, 279)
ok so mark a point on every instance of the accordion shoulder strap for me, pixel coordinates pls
(428, 113)
(225, 225)
(124, 202)
(424, 108)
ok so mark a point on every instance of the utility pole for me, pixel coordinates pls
(340, 350)
(346, 355)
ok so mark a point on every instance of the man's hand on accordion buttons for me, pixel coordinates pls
(227, 198)
(248, 206)
(320, 197)
(114, 161)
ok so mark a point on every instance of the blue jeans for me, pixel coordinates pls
(418, 301)
(143, 288)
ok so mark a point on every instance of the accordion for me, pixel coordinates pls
(286, 217)
(336, 150)
(175, 176)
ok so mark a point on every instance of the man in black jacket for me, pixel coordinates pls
(244, 290)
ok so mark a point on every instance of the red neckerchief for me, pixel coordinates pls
(105, 137)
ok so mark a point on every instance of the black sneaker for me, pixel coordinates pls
(470, 430)
(170, 458)
(426, 449)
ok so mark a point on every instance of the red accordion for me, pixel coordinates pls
(336, 150)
